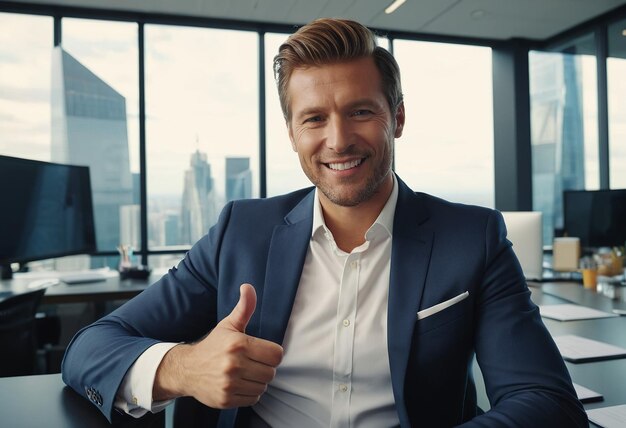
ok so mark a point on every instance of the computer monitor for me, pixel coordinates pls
(524, 230)
(47, 211)
(597, 217)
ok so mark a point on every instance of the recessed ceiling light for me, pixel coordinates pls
(393, 6)
(624, 32)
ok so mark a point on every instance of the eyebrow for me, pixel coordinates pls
(364, 102)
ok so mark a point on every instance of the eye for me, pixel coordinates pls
(362, 112)
(312, 119)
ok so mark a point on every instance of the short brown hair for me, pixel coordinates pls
(329, 40)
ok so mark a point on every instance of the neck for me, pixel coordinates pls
(349, 224)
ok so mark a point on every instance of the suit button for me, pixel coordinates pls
(97, 398)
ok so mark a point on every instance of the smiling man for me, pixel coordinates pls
(343, 129)
(357, 303)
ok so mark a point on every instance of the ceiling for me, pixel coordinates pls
(487, 19)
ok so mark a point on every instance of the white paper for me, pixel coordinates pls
(570, 312)
(586, 394)
(609, 417)
(579, 349)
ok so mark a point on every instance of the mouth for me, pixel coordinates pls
(342, 166)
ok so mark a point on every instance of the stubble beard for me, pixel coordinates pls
(362, 194)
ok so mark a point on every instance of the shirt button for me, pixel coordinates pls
(346, 323)
(343, 387)
(135, 401)
(354, 264)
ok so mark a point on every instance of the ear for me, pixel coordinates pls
(290, 132)
(399, 120)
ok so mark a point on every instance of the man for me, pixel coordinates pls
(362, 302)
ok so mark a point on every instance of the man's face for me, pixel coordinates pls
(343, 130)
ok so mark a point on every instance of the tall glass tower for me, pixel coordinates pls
(238, 178)
(557, 134)
(199, 211)
(89, 128)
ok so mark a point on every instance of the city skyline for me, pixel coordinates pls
(204, 82)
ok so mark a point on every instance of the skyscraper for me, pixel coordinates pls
(89, 128)
(199, 211)
(130, 233)
(238, 178)
(171, 227)
(557, 134)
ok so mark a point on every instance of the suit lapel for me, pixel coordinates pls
(285, 261)
(410, 257)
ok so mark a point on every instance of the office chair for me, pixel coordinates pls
(17, 333)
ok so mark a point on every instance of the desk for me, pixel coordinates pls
(605, 377)
(45, 401)
(55, 405)
(94, 294)
(113, 288)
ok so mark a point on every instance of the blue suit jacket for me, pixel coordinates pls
(439, 250)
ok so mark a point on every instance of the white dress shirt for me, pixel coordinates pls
(335, 369)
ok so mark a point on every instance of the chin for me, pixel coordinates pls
(348, 199)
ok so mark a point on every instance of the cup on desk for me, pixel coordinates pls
(590, 278)
(589, 270)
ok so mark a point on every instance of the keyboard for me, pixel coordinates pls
(83, 277)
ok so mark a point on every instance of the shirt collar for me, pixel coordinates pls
(384, 219)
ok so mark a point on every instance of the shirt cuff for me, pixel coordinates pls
(134, 395)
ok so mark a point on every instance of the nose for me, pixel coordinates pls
(339, 137)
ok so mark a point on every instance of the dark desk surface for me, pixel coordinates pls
(113, 288)
(45, 401)
(605, 377)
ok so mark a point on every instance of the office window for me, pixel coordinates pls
(95, 103)
(202, 128)
(564, 128)
(447, 145)
(616, 70)
(283, 166)
(25, 51)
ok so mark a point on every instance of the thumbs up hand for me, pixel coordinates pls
(227, 368)
(238, 319)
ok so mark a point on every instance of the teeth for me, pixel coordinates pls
(346, 165)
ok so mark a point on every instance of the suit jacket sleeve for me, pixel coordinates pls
(180, 307)
(525, 377)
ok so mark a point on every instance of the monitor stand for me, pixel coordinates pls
(6, 272)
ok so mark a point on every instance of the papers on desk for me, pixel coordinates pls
(609, 417)
(585, 395)
(578, 349)
(570, 312)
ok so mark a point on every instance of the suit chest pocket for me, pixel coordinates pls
(446, 318)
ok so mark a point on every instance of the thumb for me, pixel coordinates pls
(240, 316)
